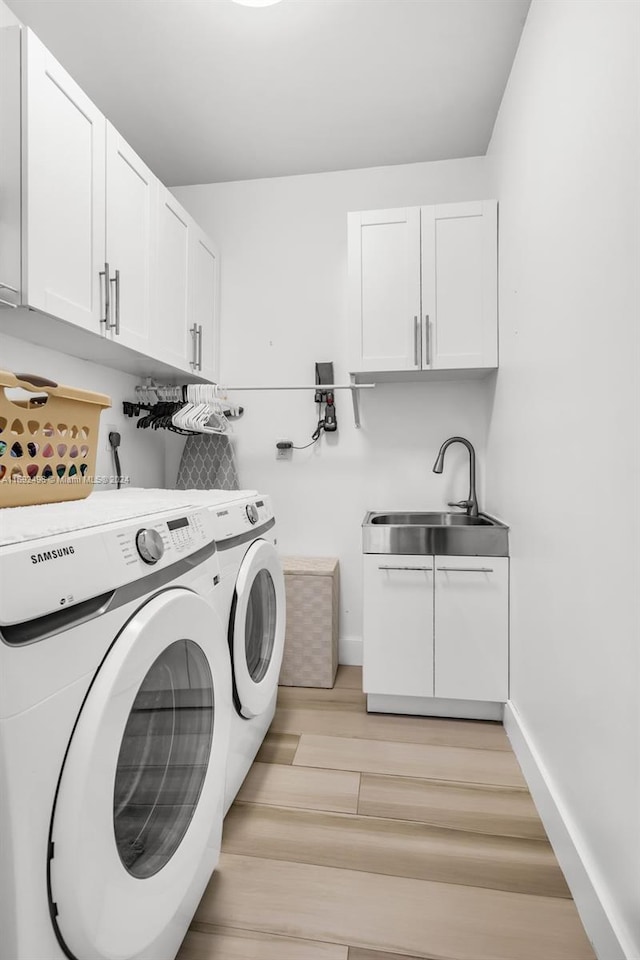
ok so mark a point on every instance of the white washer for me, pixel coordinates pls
(115, 707)
(251, 602)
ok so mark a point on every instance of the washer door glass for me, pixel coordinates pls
(260, 625)
(163, 758)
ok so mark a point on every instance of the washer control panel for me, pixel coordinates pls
(43, 575)
(149, 545)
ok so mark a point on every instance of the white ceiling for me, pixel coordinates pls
(207, 90)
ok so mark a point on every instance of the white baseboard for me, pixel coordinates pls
(350, 651)
(596, 915)
(434, 707)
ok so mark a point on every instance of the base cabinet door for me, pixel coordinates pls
(398, 625)
(472, 628)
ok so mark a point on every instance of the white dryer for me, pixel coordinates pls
(251, 602)
(253, 598)
(115, 707)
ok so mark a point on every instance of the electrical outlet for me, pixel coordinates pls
(110, 428)
(284, 450)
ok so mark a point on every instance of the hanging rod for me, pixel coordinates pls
(324, 387)
(306, 386)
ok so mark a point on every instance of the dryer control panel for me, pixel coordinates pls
(43, 575)
(236, 518)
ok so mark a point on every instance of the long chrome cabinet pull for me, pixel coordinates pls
(466, 569)
(194, 343)
(416, 337)
(7, 303)
(200, 347)
(405, 568)
(117, 323)
(427, 334)
(107, 302)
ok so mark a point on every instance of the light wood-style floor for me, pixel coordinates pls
(369, 837)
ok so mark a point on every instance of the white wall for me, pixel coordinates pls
(141, 451)
(563, 442)
(283, 244)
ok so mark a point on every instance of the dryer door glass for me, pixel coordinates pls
(260, 626)
(163, 758)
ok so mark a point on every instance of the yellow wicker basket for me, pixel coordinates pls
(48, 442)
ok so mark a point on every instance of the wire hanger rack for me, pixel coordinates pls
(150, 394)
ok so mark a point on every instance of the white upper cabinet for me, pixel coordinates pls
(63, 192)
(204, 287)
(384, 289)
(174, 341)
(88, 234)
(131, 209)
(459, 285)
(423, 288)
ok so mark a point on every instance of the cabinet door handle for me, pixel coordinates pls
(115, 280)
(117, 325)
(194, 345)
(200, 347)
(404, 568)
(107, 303)
(416, 342)
(466, 569)
(427, 334)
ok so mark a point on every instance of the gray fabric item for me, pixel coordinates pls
(208, 463)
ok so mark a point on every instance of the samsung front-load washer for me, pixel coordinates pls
(115, 706)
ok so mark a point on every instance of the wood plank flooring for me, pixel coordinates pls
(363, 837)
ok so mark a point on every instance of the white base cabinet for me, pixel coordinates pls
(471, 628)
(436, 627)
(398, 625)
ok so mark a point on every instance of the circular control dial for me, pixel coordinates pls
(252, 513)
(149, 545)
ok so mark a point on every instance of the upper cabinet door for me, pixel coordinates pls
(64, 174)
(459, 285)
(174, 342)
(130, 224)
(384, 289)
(204, 297)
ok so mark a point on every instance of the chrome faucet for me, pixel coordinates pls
(471, 503)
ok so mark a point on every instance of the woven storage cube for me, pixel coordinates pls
(312, 589)
(48, 442)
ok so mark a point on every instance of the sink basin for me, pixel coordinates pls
(430, 520)
(434, 533)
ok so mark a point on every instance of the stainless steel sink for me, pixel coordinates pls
(430, 520)
(435, 533)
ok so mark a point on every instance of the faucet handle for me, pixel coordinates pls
(463, 504)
